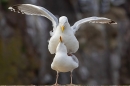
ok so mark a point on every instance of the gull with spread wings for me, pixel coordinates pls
(61, 27)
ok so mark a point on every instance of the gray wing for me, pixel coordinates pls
(101, 20)
(75, 58)
(34, 10)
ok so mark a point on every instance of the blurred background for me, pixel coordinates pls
(104, 53)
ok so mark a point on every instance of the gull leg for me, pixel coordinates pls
(57, 78)
(71, 83)
(71, 78)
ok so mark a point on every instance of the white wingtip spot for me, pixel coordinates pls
(10, 8)
(115, 23)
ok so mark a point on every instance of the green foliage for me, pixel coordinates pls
(11, 60)
(4, 4)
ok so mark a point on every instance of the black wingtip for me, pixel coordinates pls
(112, 22)
(15, 8)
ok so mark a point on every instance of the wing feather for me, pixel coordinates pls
(30, 9)
(101, 20)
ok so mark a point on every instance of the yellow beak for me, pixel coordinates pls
(62, 28)
(60, 39)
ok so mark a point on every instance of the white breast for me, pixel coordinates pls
(63, 63)
(68, 38)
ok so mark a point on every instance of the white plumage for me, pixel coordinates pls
(61, 28)
(62, 62)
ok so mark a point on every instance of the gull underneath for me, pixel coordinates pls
(61, 27)
(62, 62)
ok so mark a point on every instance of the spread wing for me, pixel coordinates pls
(30, 9)
(101, 20)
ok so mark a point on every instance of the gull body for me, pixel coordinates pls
(68, 36)
(62, 62)
(61, 27)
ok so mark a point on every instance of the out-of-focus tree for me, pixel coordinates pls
(103, 53)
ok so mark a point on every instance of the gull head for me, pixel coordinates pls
(62, 22)
(61, 46)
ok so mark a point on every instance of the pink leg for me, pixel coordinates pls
(57, 78)
(71, 77)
